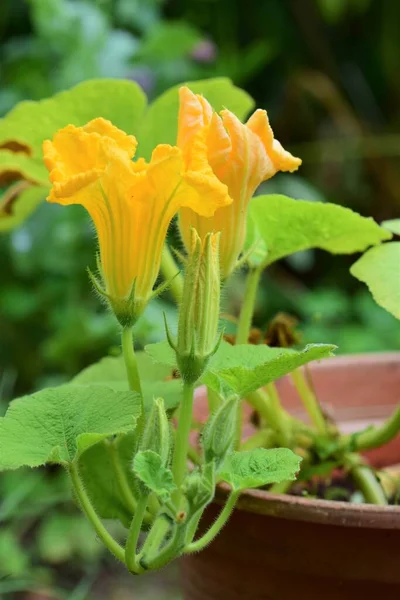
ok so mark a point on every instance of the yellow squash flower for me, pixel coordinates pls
(131, 203)
(241, 156)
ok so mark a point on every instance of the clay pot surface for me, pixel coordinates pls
(281, 547)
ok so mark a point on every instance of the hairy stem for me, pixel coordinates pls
(309, 400)
(91, 514)
(133, 536)
(179, 462)
(130, 360)
(246, 313)
(223, 517)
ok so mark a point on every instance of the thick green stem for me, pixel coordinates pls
(171, 272)
(376, 436)
(130, 360)
(309, 400)
(133, 536)
(280, 488)
(179, 462)
(246, 313)
(155, 537)
(91, 514)
(208, 537)
(263, 438)
(366, 481)
(269, 407)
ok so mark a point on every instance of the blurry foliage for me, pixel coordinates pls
(327, 70)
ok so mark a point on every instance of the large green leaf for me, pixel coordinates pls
(56, 425)
(161, 122)
(98, 472)
(244, 368)
(156, 379)
(14, 212)
(29, 123)
(379, 268)
(286, 226)
(254, 468)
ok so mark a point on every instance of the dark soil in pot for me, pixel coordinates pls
(283, 547)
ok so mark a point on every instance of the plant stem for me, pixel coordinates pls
(155, 537)
(280, 488)
(130, 360)
(133, 536)
(377, 436)
(179, 463)
(369, 485)
(262, 438)
(122, 481)
(169, 270)
(309, 400)
(270, 408)
(91, 514)
(208, 537)
(246, 313)
(121, 478)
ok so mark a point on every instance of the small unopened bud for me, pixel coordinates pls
(157, 435)
(198, 336)
(219, 433)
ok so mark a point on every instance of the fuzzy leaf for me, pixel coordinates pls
(255, 468)
(156, 379)
(162, 354)
(379, 268)
(100, 480)
(160, 125)
(287, 226)
(57, 425)
(244, 368)
(149, 468)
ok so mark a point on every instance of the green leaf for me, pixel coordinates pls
(162, 354)
(20, 207)
(244, 368)
(160, 125)
(255, 468)
(99, 477)
(392, 225)
(29, 123)
(57, 425)
(149, 467)
(21, 165)
(287, 226)
(156, 379)
(379, 269)
(255, 244)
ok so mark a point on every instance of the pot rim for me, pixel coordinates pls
(328, 512)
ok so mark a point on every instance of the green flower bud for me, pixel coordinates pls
(219, 433)
(198, 336)
(157, 433)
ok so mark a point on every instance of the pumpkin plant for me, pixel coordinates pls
(123, 429)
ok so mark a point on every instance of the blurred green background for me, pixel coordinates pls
(327, 71)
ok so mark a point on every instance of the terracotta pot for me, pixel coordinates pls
(280, 547)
